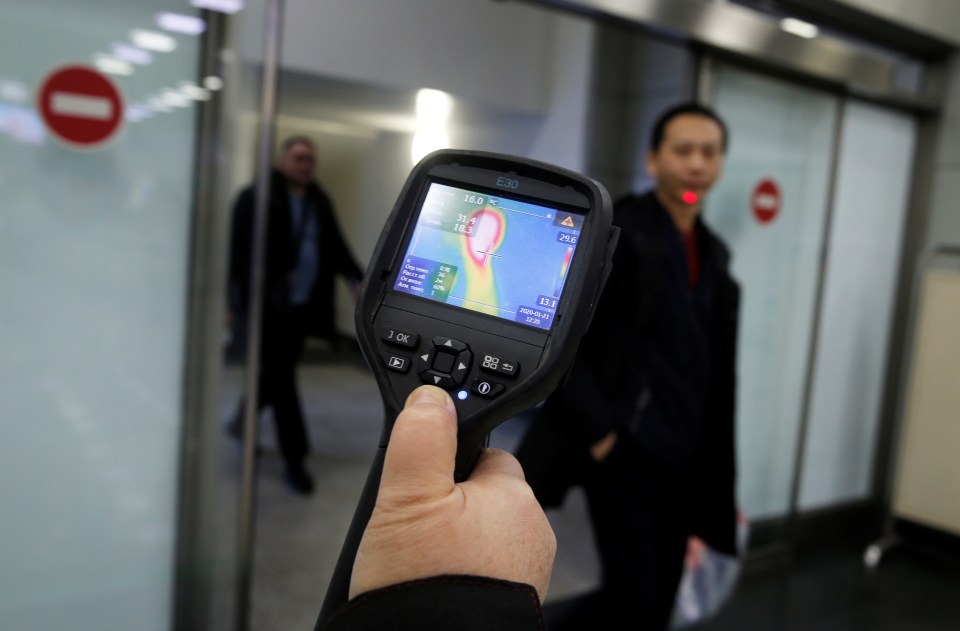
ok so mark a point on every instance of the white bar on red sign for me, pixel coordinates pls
(81, 106)
(766, 201)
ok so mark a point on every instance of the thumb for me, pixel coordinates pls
(420, 457)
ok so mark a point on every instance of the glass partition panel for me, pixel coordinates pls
(94, 248)
(870, 210)
(770, 207)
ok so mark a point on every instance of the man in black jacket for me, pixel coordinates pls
(646, 421)
(305, 250)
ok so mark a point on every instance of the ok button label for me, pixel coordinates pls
(400, 338)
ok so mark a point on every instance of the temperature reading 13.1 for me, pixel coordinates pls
(546, 301)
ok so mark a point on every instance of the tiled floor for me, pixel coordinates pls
(298, 539)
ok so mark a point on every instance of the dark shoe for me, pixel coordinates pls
(299, 480)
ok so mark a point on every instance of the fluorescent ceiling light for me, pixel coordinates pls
(151, 40)
(133, 54)
(158, 104)
(180, 23)
(112, 65)
(433, 107)
(138, 112)
(223, 6)
(799, 28)
(175, 98)
(194, 92)
(213, 83)
(13, 91)
(426, 141)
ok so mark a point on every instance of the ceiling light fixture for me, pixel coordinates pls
(13, 91)
(221, 6)
(133, 54)
(799, 28)
(194, 92)
(180, 23)
(151, 40)
(213, 83)
(112, 65)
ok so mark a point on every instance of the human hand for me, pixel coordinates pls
(696, 549)
(425, 525)
(602, 448)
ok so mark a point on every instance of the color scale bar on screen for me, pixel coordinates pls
(563, 271)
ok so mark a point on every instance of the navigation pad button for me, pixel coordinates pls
(443, 362)
(438, 379)
(454, 346)
(425, 360)
(461, 366)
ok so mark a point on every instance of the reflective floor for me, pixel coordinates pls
(828, 590)
(298, 539)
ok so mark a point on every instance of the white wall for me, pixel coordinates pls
(944, 227)
(496, 53)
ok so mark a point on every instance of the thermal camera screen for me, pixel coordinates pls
(492, 254)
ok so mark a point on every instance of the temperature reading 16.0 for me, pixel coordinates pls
(473, 199)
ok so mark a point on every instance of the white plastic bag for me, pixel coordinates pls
(709, 578)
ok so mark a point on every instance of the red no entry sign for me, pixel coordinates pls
(80, 106)
(766, 201)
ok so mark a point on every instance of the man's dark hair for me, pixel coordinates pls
(679, 110)
(297, 140)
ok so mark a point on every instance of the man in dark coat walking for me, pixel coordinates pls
(646, 421)
(305, 250)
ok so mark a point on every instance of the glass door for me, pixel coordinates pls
(97, 138)
(770, 206)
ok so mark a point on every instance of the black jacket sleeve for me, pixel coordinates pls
(334, 247)
(590, 405)
(347, 265)
(459, 602)
(241, 236)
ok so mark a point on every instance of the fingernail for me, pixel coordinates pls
(429, 394)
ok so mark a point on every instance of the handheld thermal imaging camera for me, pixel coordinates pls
(485, 277)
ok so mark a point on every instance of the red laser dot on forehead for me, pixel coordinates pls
(689, 197)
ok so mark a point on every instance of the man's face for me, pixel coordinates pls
(689, 159)
(297, 164)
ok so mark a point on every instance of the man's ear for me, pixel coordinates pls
(652, 164)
